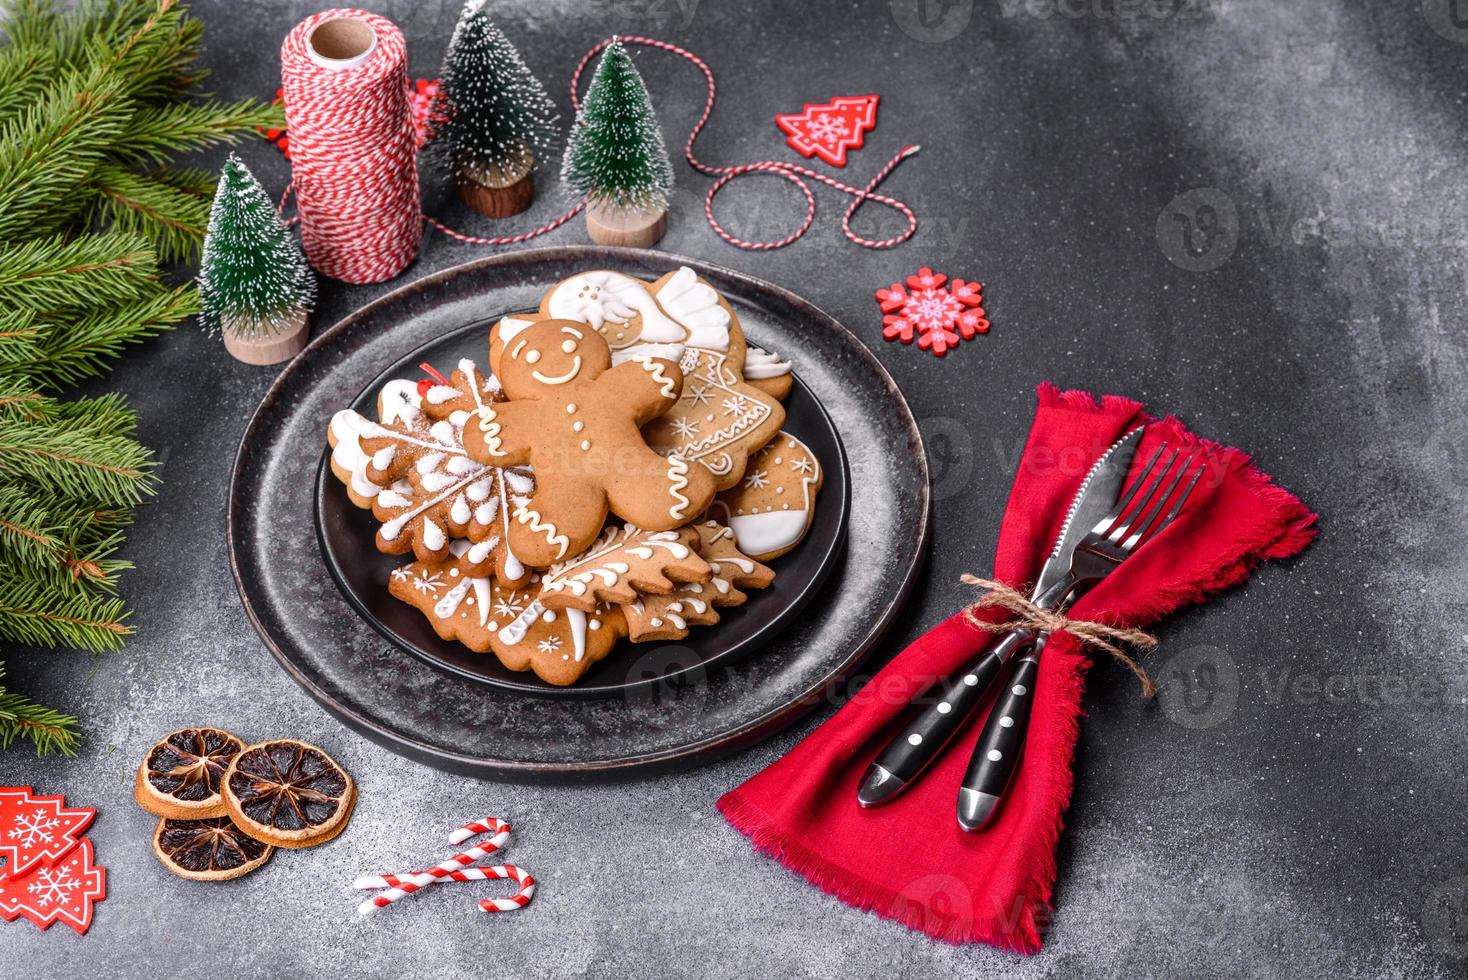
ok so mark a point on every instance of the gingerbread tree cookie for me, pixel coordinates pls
(577, 421)
(512, 623)
(623, 562)
(667, 617)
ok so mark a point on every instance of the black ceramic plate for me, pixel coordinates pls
(347, 543)
(422, 711)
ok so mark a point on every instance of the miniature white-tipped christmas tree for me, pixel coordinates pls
(616, 154)
(254, 282)
(496, 118)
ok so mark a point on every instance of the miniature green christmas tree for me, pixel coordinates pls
(253, 280)
(496, 116)
(616, 154)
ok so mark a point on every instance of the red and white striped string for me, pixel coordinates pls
(395, 887)
(355, 173)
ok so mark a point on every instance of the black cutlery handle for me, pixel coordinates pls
(997, 754)
(923, 736)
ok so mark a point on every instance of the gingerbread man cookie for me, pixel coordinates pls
(576, 420)
(487, 616)
(772, 508)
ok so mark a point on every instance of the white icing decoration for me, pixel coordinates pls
(678, 482)
(601, 296)
(438, 394)
(536, 524)
(433, 536)
(760, 364)
(659, 372)
(399, 401)
(558, 379)
(449, 604)
(695, 305)
(488, 425)
(510, 327)
(516, 630)
(760, 534)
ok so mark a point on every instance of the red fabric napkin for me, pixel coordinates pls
(994, 886)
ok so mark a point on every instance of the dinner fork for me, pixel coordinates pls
(1111, 541)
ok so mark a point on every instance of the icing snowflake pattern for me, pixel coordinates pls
(428, 582)
(509, 606)
(757, 480)
(549, 645)
(685, 428)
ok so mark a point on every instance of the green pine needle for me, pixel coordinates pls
(49, 731)
(58, 272)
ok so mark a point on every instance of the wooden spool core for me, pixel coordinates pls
(498, 192)
(271, 348)
(620, 226)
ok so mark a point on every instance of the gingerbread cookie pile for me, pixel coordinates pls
(618, 471)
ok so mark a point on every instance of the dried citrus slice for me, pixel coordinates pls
(288, 793)
(207, 850)
(180, 775)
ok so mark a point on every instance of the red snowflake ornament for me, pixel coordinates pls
(830, 129)
(62, 892)
(937, 317)
(37, 830)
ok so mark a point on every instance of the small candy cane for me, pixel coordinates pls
(456, 869)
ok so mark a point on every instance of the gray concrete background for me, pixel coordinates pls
(1292, 807)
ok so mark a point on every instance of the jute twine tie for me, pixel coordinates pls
(1030, 616)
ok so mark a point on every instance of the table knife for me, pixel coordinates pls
(927, 731)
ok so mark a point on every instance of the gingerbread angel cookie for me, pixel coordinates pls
(772, 508)
(576, 420)
(622, 310)
(719, 418)
(767, 371)
(623, 562)
(667, 617)
(488, 616)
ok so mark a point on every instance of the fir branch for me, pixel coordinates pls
(57, 273)
(156, 133)
(50, 149)
(54, 611)
(29, 22)
(48, 730)
(20, 339)
(113, 470)
(128, 201)
(75, 349)
(29, 533)
(25, 72)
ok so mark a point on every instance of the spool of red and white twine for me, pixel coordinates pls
(345, 81)
(354, 164)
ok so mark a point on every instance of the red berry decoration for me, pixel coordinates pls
(935, 316)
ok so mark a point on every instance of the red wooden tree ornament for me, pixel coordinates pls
(829, 129)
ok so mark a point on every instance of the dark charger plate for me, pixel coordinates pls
(347, 542)
(458, 724)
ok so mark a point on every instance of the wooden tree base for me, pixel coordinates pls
(619, 226)
(268, 348)
(497, 193)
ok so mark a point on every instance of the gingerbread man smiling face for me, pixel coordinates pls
(577, 421)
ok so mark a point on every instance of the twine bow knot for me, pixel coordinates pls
(1030, 616)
